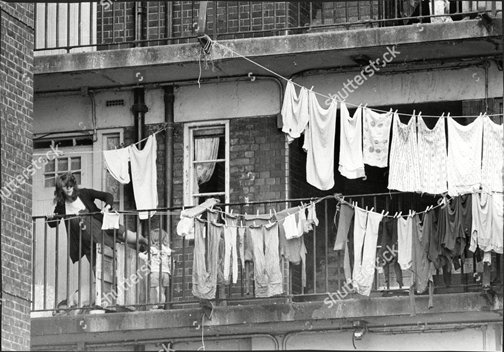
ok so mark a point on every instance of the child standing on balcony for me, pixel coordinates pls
(160, 266)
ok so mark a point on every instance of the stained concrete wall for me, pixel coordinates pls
(225, 100)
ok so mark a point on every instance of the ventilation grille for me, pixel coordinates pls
(118, 102)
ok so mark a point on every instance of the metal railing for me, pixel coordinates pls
(91, 26)
(122, 280)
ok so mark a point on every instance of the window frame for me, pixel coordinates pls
(188, 173)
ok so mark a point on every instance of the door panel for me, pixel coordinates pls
(52, 283)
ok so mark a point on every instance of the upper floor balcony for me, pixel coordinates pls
(106, 46)
(108, 25)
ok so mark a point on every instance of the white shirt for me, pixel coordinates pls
(75, 207)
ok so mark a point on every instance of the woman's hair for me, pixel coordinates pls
(61, 182)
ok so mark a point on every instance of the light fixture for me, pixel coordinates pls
(359, 333)
(360, 329)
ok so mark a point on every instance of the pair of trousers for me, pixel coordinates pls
(230, 254)
(267, 272)
(205, 263)
(366, 225)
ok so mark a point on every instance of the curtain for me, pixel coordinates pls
(204, 149)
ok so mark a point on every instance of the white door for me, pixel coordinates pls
(51, 262)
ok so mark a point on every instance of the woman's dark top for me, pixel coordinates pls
(87, 196)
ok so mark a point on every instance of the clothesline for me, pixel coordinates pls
(323, 95)
(441, 203)
(160, 129)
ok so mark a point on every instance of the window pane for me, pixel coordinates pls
(211, 177)
(50, 166)
(49, 181)
(76, 163)
(77, 177)
(63, 164)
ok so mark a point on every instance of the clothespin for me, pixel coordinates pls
(365, 106)
(274, 212)
(231, 212)
(395, 215)
(241, 223)
(385, 214)
(382, 212)
(372, 208)
(413, 112)
(366, 207)
(399, 215)
(257, 212)
(311, 89)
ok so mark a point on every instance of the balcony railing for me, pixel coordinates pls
(120, 281)
(91, 26)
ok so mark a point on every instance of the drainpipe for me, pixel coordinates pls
(139, 109)
(169, 98)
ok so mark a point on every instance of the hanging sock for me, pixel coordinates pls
(319, 144)
(144, 171)
(116, 161)
(464, 156)
(294, 112)
(376, 132)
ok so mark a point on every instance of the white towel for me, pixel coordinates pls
(432, 157)
(464, 156)
(116, 161)
(144, 171)
(110, 221)
(351, 164)
(493, 156)
(294, 112)
(319, 144)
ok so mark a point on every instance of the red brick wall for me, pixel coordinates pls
(16, 103)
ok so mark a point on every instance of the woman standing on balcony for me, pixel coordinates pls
(70, 199)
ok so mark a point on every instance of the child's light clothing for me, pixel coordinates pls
(158, 256)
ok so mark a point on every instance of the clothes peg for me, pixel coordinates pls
(311, 89)
(399, 215)
(365, 106)
(395, 215)
(385, 214)
(231, 212)
(257, 212)
(413, 112)
(372, 208)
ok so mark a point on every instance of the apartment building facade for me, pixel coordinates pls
(202, 76)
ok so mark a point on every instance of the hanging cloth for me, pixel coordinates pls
(116, 161)
(404, 174)
(144, 171)
(319, 144)
(376, 137)
(351, 164)
(294, 112)
(464, 156)
(493, 156)
(432, 157)
(404, 242)
(420, 264)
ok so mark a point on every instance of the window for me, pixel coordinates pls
(62, 165)
(206, 162)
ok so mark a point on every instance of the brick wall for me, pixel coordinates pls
(116, 23)
(16, 103)
(257, 170)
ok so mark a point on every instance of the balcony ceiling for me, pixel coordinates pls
(286, 55)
